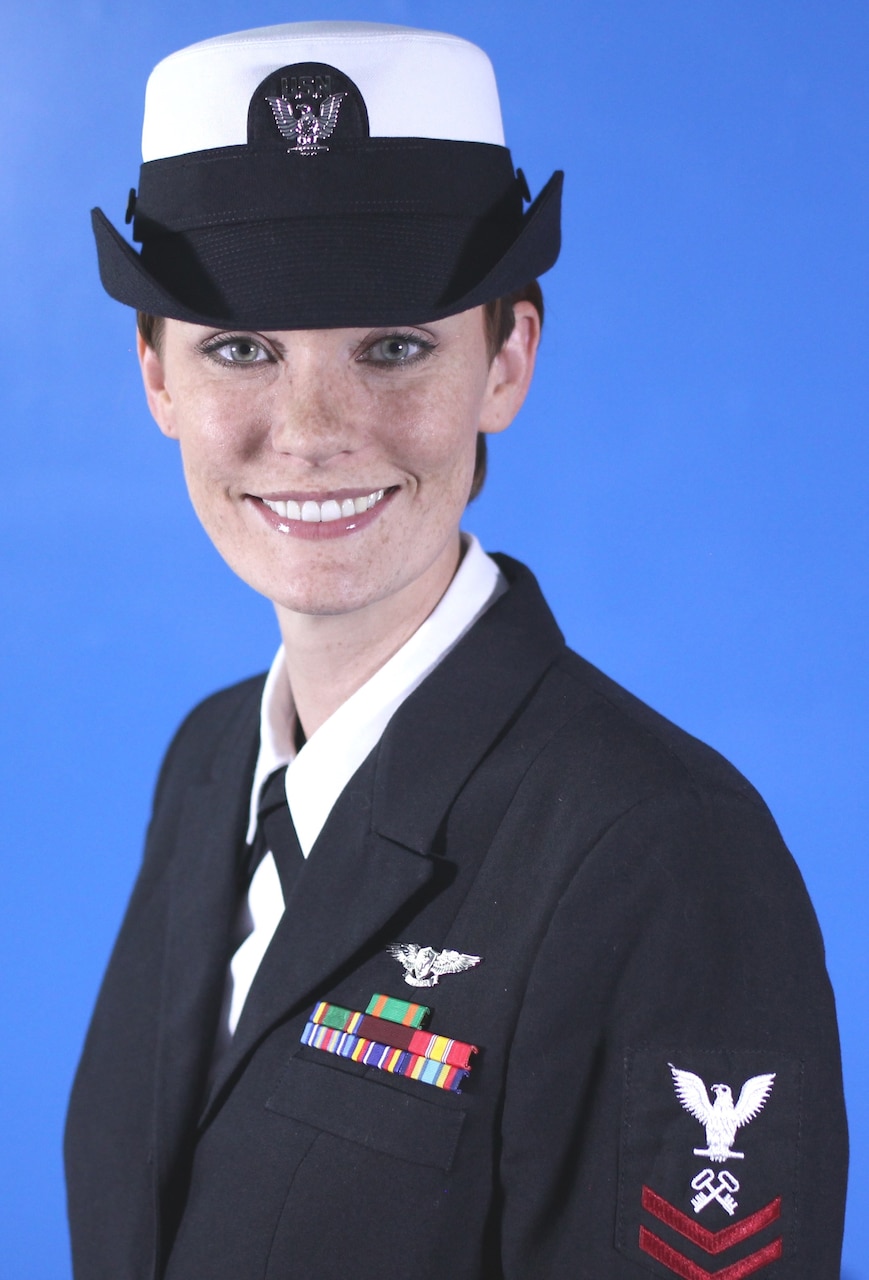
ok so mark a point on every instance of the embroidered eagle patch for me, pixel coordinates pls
(722, 1117)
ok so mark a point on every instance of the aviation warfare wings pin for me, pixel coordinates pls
(423, 966)
(693, 1201)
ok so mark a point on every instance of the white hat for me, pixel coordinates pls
(333, 173)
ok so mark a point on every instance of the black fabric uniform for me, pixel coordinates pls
(634, 907)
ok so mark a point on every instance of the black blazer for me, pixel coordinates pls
(638, 917)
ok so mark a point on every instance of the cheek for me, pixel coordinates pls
(220, 435)
(433, 436)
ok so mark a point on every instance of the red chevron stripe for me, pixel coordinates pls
(688, 1270)
(710, 1241)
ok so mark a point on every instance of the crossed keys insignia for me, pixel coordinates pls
(708, 1190)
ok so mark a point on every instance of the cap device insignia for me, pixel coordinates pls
(309, 104)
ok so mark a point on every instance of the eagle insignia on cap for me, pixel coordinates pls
(307, 129)
(423, 965)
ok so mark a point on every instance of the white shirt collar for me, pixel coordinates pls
(318, 773)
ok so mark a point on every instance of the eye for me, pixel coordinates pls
(397, 350)
(239, 349)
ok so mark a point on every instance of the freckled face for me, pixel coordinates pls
(331, 467)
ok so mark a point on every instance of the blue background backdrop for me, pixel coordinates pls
(688, 478)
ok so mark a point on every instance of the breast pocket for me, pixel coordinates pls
(362, 1110)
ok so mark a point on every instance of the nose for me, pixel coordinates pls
(311, 417)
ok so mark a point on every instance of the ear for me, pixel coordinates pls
(156, 391)
(511, 370)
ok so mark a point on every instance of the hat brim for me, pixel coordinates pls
(337, 271)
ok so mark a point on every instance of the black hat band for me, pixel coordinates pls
(239, 185)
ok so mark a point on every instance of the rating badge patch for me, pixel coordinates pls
(708, 1162)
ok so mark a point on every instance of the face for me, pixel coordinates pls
(331, 467)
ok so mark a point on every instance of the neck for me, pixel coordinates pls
(330, 656)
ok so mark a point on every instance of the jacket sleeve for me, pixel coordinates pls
(674, 1103)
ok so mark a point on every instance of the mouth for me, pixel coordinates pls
(310, 511)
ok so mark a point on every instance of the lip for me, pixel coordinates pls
(315, 531)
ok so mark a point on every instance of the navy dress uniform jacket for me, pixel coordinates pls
(642, 928)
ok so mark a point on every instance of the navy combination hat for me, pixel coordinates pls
(326, 174)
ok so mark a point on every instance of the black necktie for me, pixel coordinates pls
(275, 833)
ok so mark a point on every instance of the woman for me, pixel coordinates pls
(447, 956)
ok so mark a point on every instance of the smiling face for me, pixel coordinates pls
(331, 467)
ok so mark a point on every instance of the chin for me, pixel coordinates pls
(322, 599)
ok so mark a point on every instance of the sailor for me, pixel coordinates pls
(447, 956)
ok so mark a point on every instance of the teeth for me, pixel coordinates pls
(311, 512)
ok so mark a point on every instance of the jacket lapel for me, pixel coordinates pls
(373, 858)
(451, 722)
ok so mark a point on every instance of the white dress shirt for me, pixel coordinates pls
(318, 773)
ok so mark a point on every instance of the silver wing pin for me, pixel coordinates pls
(307, 129)
(423, 965)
